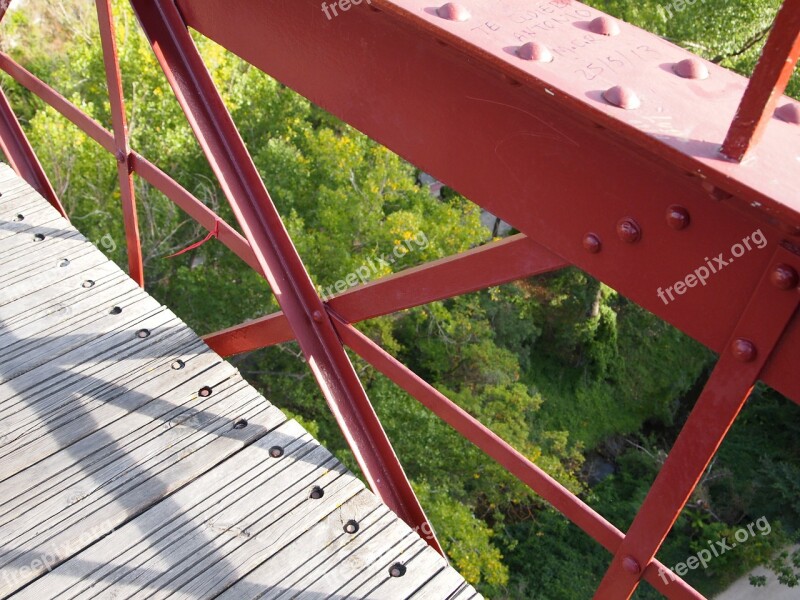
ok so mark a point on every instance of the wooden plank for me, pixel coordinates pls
(137, 495)
(23, 254)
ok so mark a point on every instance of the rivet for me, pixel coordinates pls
(276, 452)
(316, 493)
(177, 365)
(453, 12)
(604, 25)
(678, 217)
(623, 97)
(784, 277)
(631, 565)
(789, 113)
(240, 424)
(743, 350)
(204, 391)
(691, 68)
(535, 51)
(592, 243)
(351, 526)
(88, 283)
(397, 570)
(629, 231)
(121, 156)
(115, 311)
(317, 316)
(143, 333)
(38, 237)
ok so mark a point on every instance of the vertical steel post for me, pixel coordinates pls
(291, 284)
(769, 80)
(20, 154)
(108, 39)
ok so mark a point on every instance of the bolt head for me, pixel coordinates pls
(629, 231)
(453, 12)
(678, 217)
(631, 565)
(535, 51)
(121, 156)
(276, 452)
(784, 277)
(604, 25)
(317, 316)
(592, 243)
(622, 97)
(743, 350)
(789, 113)
(691, 68)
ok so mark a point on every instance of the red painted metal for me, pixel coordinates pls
(579, 130)
(493, 264)
(278, 258)
(494, 446)
(768, 82)
(751, 344)
(124, 173)
(143, 167)
(20, 155)
(535, 143)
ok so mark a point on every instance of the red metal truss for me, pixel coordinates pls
(278, 258)
(537, 144)
(601, 143)
(123, 153)
(514, 258)
(769, 80)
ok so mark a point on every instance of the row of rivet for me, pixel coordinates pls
(619, 95)
(784, 277)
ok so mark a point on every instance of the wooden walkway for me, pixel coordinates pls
(135, 463)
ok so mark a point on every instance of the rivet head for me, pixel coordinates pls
(631, 565)
(397, 570)
(316, 493)
(604, 25)
(204, 391)
(784, 277)
(143, 333)
(317, 316)
(789, 113)
(535, 51)
(276, 452)
(678, 217)
(743, 350)
(453, 12)
(622, 97)
(351, 527)
(592, 243)
(121, 156)
(629, 231)
(691, 68)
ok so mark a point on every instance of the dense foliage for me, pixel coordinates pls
(571, 373)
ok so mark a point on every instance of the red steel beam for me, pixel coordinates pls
(258, 217)
(498, 449)
(769, 81)
(751, 344)
(493, 264)
(23, 160)
(119, 122)
(143, 167)
(537, 144)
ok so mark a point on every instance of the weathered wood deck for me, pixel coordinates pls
(135, 463)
